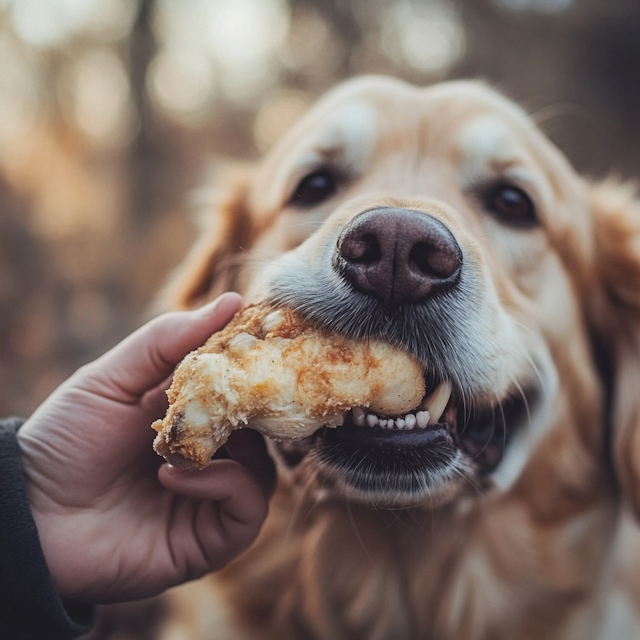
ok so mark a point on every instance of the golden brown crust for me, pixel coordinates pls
(251, 320)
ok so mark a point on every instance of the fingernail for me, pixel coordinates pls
(177, 471)
(212, 307)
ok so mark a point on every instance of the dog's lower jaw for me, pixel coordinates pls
(386, 475)
(408, 466)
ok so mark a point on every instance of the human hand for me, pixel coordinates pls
(115, 523)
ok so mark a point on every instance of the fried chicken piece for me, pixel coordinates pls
(272, 371)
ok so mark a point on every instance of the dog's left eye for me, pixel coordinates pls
(314, 189)
(512, 205)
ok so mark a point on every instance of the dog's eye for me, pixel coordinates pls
(512, 205)
(314, 189)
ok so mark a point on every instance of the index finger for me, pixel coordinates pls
(149, 355)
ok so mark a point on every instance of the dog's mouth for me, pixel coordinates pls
(447, 440)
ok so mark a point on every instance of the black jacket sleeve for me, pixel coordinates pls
(30, 606)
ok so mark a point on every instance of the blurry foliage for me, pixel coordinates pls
(111, 111)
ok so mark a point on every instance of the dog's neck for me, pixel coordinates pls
(334, 570)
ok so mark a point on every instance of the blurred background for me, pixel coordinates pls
(113, 111)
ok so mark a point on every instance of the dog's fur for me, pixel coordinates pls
(540, 544)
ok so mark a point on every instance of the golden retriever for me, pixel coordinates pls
(442, 220)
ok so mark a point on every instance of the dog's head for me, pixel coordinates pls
(442, 220)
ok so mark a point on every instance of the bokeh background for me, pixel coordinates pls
(113, 111)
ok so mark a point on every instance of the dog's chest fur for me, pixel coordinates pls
(339, 572)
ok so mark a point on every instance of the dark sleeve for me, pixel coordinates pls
(30, 606)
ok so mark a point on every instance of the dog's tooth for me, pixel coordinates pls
(436, 403)
(400, 423)
(382, 423)
(410, 421)
(371, 420)
(422, 419)
(358, 416)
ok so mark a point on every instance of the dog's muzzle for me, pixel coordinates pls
(401, 278)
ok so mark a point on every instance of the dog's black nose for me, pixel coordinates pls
(399, 256)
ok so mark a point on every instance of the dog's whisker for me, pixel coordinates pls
(550, 112)
(312, 224)
(357, 534)
(301, 497)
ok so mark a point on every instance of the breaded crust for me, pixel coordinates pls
(270, 370)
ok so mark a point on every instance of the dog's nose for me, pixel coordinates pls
(400, 256)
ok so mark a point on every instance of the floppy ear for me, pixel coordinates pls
(615, 304)
(213, 264)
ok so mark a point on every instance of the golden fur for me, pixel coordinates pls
(544, 546)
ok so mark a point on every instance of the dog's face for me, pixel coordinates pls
(443, 221)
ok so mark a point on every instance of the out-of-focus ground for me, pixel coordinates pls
(113, 111)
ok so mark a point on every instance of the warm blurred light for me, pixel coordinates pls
(181, 82)
(241, 37)
(68, 195)
(543, 6)
(100, 95)
(277, 115)
(39, 22)
(111, 19)
(88, 315)
(18, 91)
(33, 332)
(181, 23)
(243, 32)
(48, 23)
(426, 35)
(244, 36)
(310, 46)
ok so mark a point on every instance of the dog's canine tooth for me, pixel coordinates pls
(436, 403)
(358, 416)
(422, 419)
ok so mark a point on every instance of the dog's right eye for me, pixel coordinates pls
(511, 205)
(314, 189)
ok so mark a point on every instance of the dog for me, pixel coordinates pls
(442, 220)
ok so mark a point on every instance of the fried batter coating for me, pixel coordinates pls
(272, 371)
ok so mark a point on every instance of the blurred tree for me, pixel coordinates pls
(148, 154)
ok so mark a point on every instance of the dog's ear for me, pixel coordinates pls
(614, 301)
(213, 264)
